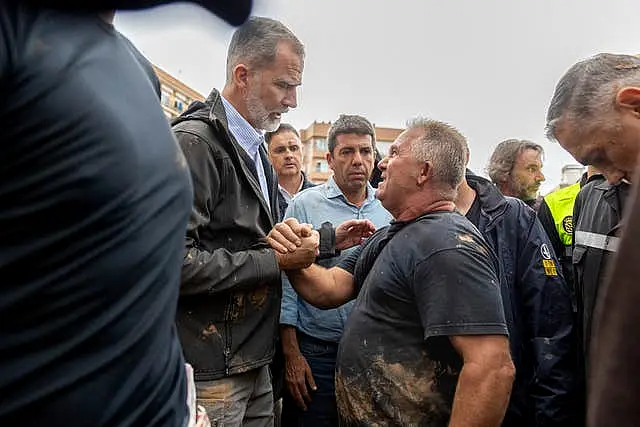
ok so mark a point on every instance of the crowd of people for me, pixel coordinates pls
(190, 274)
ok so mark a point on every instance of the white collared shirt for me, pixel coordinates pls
(250, 140)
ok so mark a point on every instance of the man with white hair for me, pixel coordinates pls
(426, 342)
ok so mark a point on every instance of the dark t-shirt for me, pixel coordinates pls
(94, 201)
(419, 282)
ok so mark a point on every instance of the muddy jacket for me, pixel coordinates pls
(538, 309)
(230, 294)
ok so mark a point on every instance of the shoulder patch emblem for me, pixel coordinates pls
(544, 251)
(567, 224)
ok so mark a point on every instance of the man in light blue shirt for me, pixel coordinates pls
(310, 336)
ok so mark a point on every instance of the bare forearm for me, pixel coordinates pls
(481, 396)
(321, 287)
(289, 338)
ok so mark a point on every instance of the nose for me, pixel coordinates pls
(357, 158)
(540, 176)
(382, 164)
(291, 100)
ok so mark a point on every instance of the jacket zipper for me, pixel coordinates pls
(227, 341)
(227, 353)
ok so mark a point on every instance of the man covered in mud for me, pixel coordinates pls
(426, 343)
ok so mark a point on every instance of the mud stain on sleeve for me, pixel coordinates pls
(469, 241)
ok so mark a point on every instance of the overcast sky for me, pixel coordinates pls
(488, 67)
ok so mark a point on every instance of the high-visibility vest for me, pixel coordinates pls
(560, 204)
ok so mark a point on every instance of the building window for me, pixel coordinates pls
(179, 105)
(322, 166)
(321, 144)
(383, 147)
(165, 98)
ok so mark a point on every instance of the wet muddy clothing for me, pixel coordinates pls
(230, 295)
(419, 282)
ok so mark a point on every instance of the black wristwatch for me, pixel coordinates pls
(327, 241)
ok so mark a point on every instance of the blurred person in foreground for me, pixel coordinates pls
(94, 201)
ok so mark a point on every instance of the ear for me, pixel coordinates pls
(424, 173)
(329, 157)
(628, 98)
(241, 76)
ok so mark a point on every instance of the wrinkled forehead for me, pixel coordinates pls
(407, 138)
(530, 156)
(287, 64)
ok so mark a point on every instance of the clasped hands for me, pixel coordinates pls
(297, 245)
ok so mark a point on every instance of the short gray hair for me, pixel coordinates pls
(255, 43)
(349, 124)
(505, 155)
(445, 148)
(586, 89)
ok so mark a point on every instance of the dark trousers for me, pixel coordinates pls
(322, 411)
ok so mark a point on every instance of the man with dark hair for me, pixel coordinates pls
(595, 115)
(516, 168)
(426, 342)
(94, 202)
(285, 154)
(310, 336)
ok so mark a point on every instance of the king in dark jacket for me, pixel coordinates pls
(537, 304)
(230, 295)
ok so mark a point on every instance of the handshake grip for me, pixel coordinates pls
(302, 257)
(297, 245)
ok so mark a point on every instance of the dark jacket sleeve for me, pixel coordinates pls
(212, 270)
(549, 325)
(549, 226)
(614, 367)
